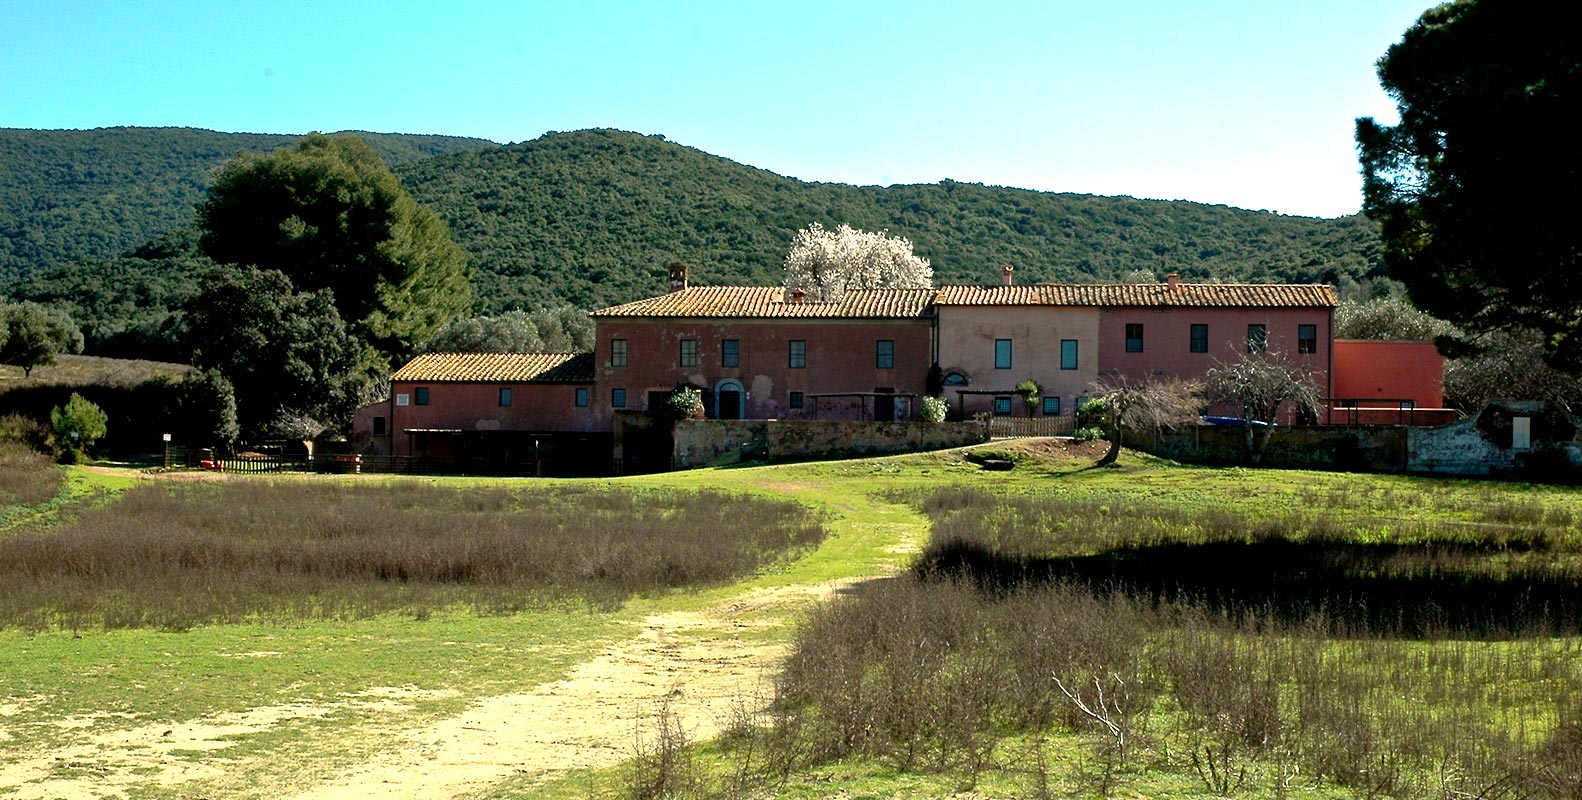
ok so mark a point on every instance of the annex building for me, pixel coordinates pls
(762, 352)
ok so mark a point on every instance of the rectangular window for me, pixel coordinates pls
(1257, 338)
(1200, 338)
(730, 353)
(403, 399)
(617, 398)
(505, 396)
(1134, 337)
(379, 426)
(1002, 353)
(798, 354)
(1051, 406)
(884, 354)
(1002, 406)
(582, 397)
(1307, 338)
(420, 395)
(689, 352)
(617, 352)
(1068, 353)
(796, 400)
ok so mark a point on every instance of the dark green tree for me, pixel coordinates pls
(204, 411)
(35, 334)
(77, 425)
(1475, 188)
(329, 215)
(282, 351)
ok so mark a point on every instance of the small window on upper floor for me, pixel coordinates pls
(730, 352)
(581, 397)
(617, 352)
(1199, 339)
(1134, 337)
(1002, 353)
(1068, 353)
(505, 396)
(1307, 338)
(689, 352)
(420, 395)
(884, 354)
(1257, 338)
(798, 354)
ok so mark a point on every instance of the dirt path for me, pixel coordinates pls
(696, 663)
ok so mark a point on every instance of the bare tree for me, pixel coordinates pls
(1160, 404)
(1260, 384)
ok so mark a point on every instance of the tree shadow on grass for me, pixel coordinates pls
(1351, 589)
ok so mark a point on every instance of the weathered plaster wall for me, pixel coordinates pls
(713, 442)
(966, 345)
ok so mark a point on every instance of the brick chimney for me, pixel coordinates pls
(1174, 281)
(1005, 274)
(678, 276)
(798, 296)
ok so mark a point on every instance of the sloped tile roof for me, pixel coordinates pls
(770, 302)
(1112, 295)
(499, 368)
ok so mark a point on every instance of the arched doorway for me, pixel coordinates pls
(729, 399)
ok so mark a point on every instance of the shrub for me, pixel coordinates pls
(934, 409)
(683, 402)
(77, 426)
(1087, 434)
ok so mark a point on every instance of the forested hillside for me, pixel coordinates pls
(72, 195)
(593, 216)
(102, 221)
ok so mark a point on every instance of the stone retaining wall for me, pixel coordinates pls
(700, 443)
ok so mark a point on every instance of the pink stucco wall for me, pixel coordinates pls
(966, 345)
(841, 357)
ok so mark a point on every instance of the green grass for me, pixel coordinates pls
(455, 657)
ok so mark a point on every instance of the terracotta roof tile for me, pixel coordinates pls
(499, 368)
(1223, 295)
(769, 301)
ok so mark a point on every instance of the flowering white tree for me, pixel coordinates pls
(824, 264)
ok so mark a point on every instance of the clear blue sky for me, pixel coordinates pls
(1250, 104)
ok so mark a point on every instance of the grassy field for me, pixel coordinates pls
(269, 698)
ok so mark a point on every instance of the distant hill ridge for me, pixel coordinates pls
(70, 195)
(592, 217)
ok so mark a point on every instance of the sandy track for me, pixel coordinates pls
(696, 661)
(699, 663)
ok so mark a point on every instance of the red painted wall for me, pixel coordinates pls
(476, 407)
(1167, 335)
(1390, 371)
(841, 357)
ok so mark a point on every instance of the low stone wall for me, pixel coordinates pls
(700, 443)
(1364, 449)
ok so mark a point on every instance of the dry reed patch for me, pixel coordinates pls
(175, 556)
(1236, 650)
(27, 477)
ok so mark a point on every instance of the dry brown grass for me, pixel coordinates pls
(175, 556)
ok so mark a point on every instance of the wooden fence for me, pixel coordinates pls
(1011, 427)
